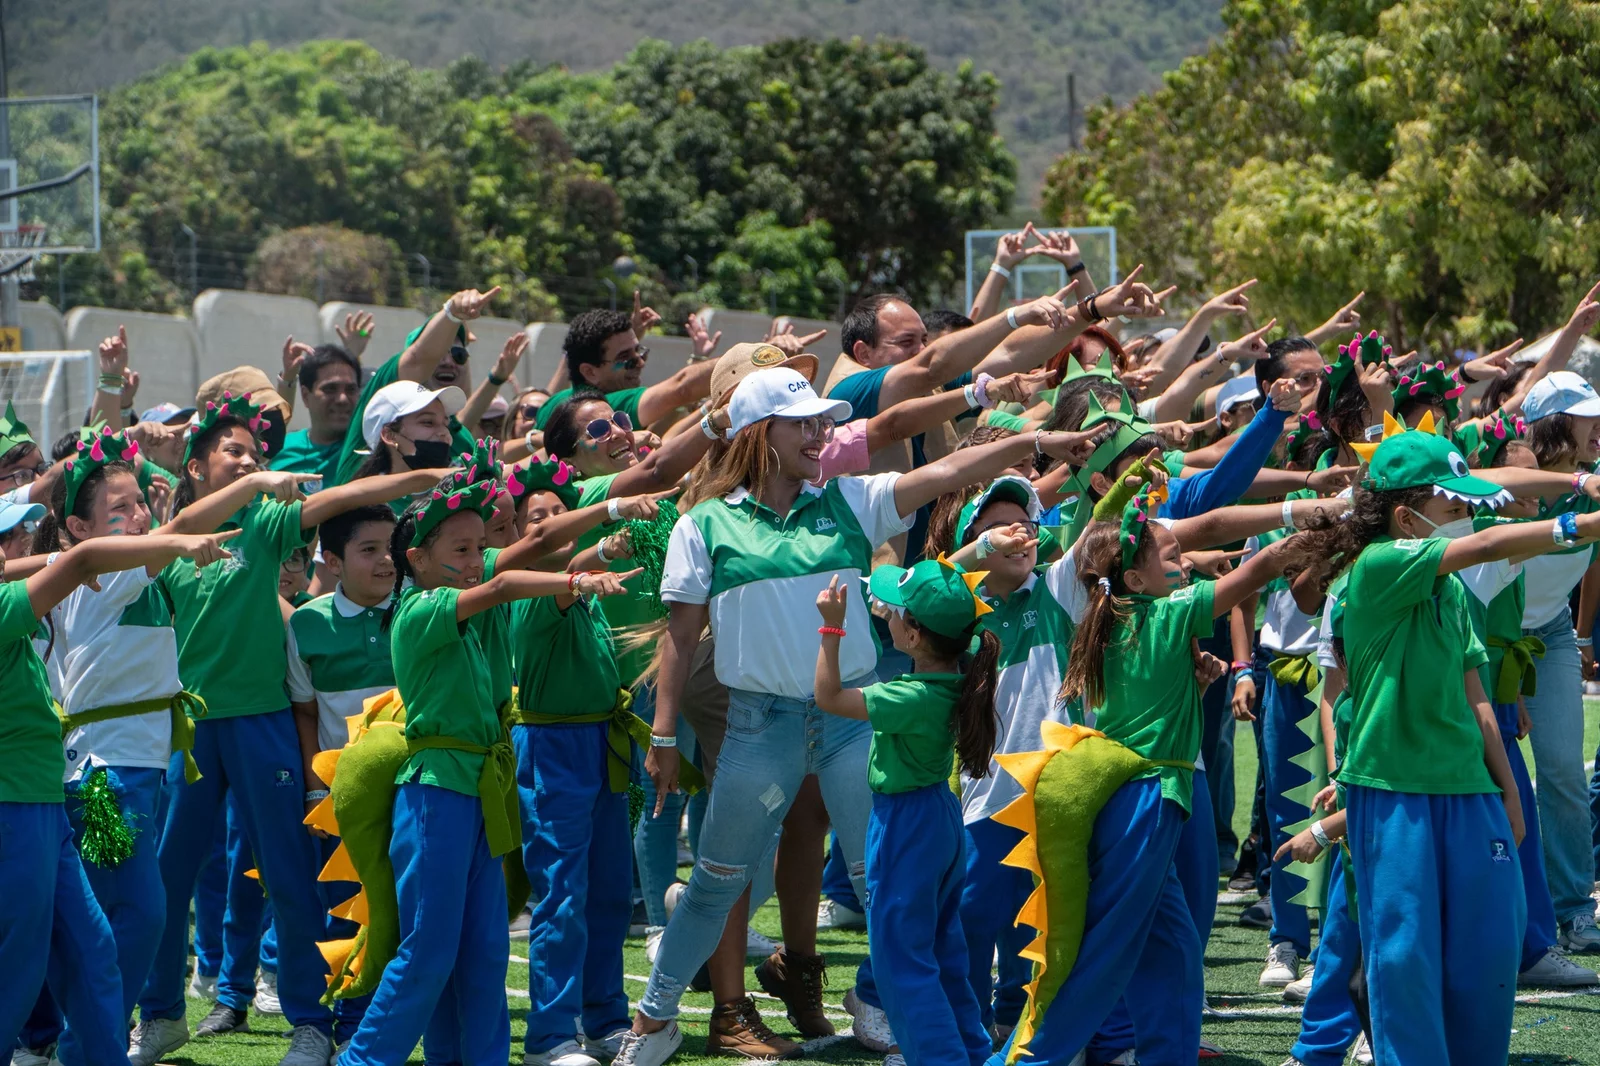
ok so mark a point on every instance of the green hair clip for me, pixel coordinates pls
(1369, 350)
(455, 495)
(95, 453)
(1430, 382)
(552, 475)
(12, 431)
(238, 408)
(1135, 520)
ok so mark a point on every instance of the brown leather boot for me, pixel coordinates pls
(737, 1029)
(798, 980)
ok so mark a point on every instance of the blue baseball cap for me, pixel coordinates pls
(167, 414)
(1561, 393)
(13, 515)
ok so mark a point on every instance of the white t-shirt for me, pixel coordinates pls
(1285, 628)
(1551, 579)
(113, 647)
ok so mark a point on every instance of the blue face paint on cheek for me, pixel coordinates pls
(450, 569)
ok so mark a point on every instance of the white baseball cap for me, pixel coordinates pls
(779, 393)
(1561, 393)
(394, 401)
(1234, 391)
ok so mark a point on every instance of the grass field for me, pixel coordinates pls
(1255, 1028)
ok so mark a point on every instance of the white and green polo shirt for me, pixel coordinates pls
(761, 574)
(1035, 633)
(338, 658)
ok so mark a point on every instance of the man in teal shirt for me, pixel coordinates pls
(330, 381)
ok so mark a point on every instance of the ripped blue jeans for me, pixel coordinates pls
(772, 744)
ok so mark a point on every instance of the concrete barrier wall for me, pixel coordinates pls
(164, 349)
(389, 327)
(43, 329)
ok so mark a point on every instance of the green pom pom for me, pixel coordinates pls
(649, 539)
(635, 807)
(107, 832)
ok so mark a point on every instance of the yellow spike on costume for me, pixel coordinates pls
(321, 817)
(339, 867)
(1392, 425)
(1364, 450)
(325, 764)
(1033, 911)
(335, 952)
(254, 875)
(1018, 814)
(1034, 951)
(354, 908)
(1059, 737)
(1426, 425)
(1025, 856)
(974, 579)
(1025, 766)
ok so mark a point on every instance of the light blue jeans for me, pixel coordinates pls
(772, 744)
(1562, 784)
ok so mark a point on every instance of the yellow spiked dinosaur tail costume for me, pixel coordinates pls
(1064, 788)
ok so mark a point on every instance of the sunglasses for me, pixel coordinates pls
(458, 355)
(600, 428)
(530, 411)
(633, 358)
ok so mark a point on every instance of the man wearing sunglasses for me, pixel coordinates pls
(434, 355)
(603, 352)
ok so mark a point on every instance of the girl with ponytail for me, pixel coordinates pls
(916, 850)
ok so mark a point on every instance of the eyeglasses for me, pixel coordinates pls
(458, 355)
(600, 428)
(296, 563)
(25, 476)
(816, 427)
(632, 358)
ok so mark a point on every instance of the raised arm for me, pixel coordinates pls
(1510, 539)
(1031, 346)
(207, 514)
(971, 466)
(505, 365)
(662, 469)
(1227, 524)
(1177, 353)
(562, 529)
(1556, 357)
(84, 562)
(510, 585)
(418, 361)
(381, 489)
(991, 295)
(1228, 480)
(683, 389)
(1233, 587)
(830, 694)
(1201, 375)
(1343, 322)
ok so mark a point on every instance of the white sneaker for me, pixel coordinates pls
(1580, 935)
(1283, 967)
(896, 1059)
(1291, 1061)
(871, 1027)
(648, 1049)
(831, 915)
(23, 1056)
(652, 942)
(1362, 1050)
(757, 946)
(155, 1039)
(308, 1046)
(606, 1047)
(1127, 1058)
(1555, 970)
(566, 1053)
(673, 894)
(266, 1001)
(202, 987)
(1298, 991)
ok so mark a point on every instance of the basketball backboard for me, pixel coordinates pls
(50, 166)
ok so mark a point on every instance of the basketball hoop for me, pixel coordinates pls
(17, 260)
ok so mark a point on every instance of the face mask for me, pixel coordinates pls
(1461, 527)
(430, 455)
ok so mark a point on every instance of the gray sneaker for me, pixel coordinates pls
(155, 1039)
(1555, 970)
(1581, 934)
(222, 1019)
(308, 1046)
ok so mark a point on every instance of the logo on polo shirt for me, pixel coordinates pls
(1030, 619)
(825, 524)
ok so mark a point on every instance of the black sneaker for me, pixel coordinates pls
(1258, 915)
(221, 1020)
(1243, 880)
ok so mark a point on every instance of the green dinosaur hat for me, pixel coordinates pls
(1310, 425)
(13, 432)
(94, 453)
(935, 592)
(1430, 382)
(455, 494)
(1011, 488)
(1103, 369)
(1495, 434)
(1129, 427)
(238, 407)
(1369, 350)
(552, 475)
(1406, 459)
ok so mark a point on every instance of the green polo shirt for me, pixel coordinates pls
(300, 455)
(633, 607)
(565, 663)
(231, 645)
(30, 733)
(621, 400)
(353, 450)
(340, 658)
(1152, 702)
(443, 678)
(494, 634)
(913, 740)
(1408, 642)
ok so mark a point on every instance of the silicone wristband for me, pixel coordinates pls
(600, 550)
(1077, 268)
(1320, 835)
(1011, 318)
(314, 795)
(1004, 272)
(831, 631)
(663, 742)
(1241, 664)
(496, 382)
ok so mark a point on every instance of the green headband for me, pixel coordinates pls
(1369, 350)
(13, 432)
(1310, 425)
(1430, 382)
(455, 495)
(552, 475)
(238, 408)
(1495, 434)
(484, 458)
(95, 453)
(1135, 520)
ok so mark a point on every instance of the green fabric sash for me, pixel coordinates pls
(1518, 677)
(497, 786)
(185, 707)
(626, 728)
(1291, 670)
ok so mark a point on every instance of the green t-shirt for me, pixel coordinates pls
(913, 742)
(1408, 642)
(30, 732)
(565, 662)
(148, 472)
(631, 608)
(354, 448)
(494, 634)
(443, 678)
(621, 400)
(1152, 702)
(231, 643)
(300, 455)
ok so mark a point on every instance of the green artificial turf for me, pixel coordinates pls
(1256, 1029)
